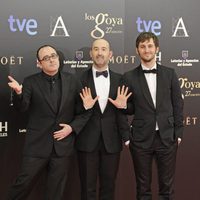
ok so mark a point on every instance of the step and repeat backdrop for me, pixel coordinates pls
(71, 26)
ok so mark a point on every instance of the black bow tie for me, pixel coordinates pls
(103, 73)
(154, 71)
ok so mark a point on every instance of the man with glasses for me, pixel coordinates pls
(52, 99)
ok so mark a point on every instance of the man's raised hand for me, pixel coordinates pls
(13, 84)
(121, 99)
(86, 96)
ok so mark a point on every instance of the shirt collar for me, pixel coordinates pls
(146, 68)
(50, 78)
(94, 70)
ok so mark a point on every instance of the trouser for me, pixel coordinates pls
(165, 158)
(57, 168)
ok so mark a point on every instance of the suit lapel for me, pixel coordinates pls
(112, 89)
(65, 82)
(42, 86)
(160, 87)
(91, 85)
(113, 86)
(144, 87)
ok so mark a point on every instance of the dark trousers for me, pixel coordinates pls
(57, 168)
(165, 158)
(94, 164)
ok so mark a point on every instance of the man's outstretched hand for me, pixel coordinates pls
(121, 99)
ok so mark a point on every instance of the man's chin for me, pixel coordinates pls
(147, 60)
(100, 64)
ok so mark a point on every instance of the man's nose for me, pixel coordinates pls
(99, 52)
(51, 59)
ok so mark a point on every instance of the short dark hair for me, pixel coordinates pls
(142, 37)
(43, 46)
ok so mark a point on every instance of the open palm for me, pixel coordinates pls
(121, 99)
(87, 99)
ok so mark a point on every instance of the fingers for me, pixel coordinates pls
(128, 95)
(126, 91)
(10, 85)
(12, 82)
(59, 136)
(61, 131)
(82, 97)
(118, 91)
(113, 102)
(62, 124)
(11, 79)
(85, 92)
(89, 92)
(96, 98)
(57, 132)
(14, 85)
(123, 91)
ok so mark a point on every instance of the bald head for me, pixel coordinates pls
(101, 42)
(100, 53)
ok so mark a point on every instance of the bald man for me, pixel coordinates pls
(100, 142)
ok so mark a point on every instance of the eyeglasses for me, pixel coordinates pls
(47, 58)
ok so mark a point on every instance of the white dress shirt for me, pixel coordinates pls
(152, 84)
(102, 87)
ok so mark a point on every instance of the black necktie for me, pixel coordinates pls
(154, 71)
(103, 73)
(52, 83)
(53, 92)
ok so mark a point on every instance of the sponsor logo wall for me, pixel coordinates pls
(71, 27)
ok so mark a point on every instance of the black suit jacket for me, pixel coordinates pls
(44, 119)
(169, 107)
(112, 125)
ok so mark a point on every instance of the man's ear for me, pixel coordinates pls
(136, 51)
(111, 54)
(39, 64)
(90, 54)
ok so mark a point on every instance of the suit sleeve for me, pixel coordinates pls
(130, 106)
(22, 101)
(177, 103)
(123, 126)
(81, 115)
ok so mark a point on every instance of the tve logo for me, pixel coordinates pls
(146, 26)
(28, 25)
